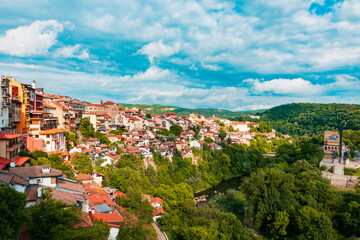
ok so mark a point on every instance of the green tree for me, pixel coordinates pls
(13, 212)
(51, 218)
(175, 129)
(38, 154)
(222, 133)
(82, 163)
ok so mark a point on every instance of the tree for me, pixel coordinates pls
(82, 163)
(137, 231)
(179, 197)
(38, 154)
(50, 217)
(175, 129)
(86, 127)
(208, 140)
(148, 116)
(222, 133)
(268, 191)
(13, 212)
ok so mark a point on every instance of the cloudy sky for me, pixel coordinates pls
(237, 55)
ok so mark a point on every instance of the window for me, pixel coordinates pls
(53, 180)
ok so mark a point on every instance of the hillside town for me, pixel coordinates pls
(33, 120)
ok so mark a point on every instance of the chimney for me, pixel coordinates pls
(101, 102)
(33, 85)
(12, 164)
(46, 170)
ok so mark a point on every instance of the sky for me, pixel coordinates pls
(236, 55)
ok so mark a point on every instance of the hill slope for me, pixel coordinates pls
(309, 118)
(160, 109)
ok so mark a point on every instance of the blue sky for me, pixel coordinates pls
(236, 55)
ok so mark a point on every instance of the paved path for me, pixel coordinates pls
(160, 235)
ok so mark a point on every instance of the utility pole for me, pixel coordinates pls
(342, 125)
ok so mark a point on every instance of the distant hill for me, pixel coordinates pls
(160, 109)
(308, 118)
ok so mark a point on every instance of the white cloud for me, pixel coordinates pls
(153, 73)
(33, 39)
(159, 49)
(285, 86)
(75, 51)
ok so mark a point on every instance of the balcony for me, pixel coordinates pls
(13, 147)
(4, 84)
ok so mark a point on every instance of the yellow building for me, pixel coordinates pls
(21, 128)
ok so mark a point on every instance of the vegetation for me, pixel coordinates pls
(300, 119)
(162, 109)
(53, 220)
(41, 158)
(82, 163)
(13, 212)
(87, 130)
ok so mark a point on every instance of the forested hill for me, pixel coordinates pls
(161, 109)
(308, 118)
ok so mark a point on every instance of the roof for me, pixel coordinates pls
(93, 189)
(20, 160)
(68, 184)
(112, 219)
(7, 135)
(48, 106)
(100, 199)
(9, 178)
(101, 208)
(109, 103)
(4, 162)
(51, 131)
(96, 105)
(157, 212)
(156, 200)
(83, 177)
(66, 197)
(35, 171)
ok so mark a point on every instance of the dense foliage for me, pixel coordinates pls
(13, 212)
(41, 158)
(51, 219)
(298, 119)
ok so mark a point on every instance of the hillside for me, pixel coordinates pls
(160, 109)
(308, 118)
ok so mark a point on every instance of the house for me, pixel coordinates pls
(157, 213)
(84, 178)
(98, 178)
(214, 146)
(10, 144)
(44, 175)
(156, 202)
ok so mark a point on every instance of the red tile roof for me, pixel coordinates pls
(4, 162)
(83, 177)
(156, 200)
(20, 160)
(112, 219)
(157, 212)
(7, 135)
(100, 199)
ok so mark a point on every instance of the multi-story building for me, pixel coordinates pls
(96, 108)
(15, 108)
(4, 104)
(10, 145)
(113, 110)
